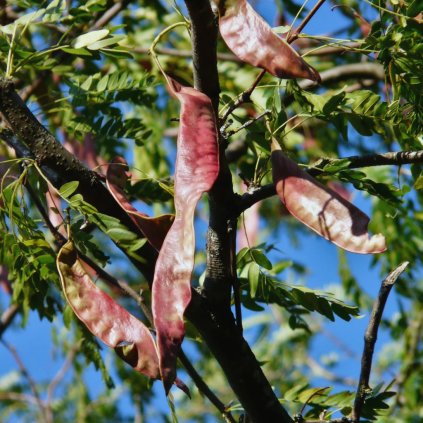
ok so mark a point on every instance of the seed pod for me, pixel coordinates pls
(251, 39)
(196, 169)
(153, 228)
(105, 318)
(322, 209)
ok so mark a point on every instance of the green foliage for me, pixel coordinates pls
(97, 83)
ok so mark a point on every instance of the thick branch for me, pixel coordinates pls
(213, 317)
(204, 42)
(51, 155)
(241, 367)
(397, 158)
(370, 338)
(204, 38)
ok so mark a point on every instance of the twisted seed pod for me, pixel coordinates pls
(197, 167)
(153, 228)
(250, 38)
(104, 317)
(322, 209)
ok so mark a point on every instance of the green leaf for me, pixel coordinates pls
(89, 38)
(68, 189)
(419, 182)
(253, 278)
(106, 43)
(102, 84)
(334, 166)
(77, 51)
(260, 259)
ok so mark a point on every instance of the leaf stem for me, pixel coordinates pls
(203, 387)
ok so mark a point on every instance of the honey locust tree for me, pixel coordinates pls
(165, 168)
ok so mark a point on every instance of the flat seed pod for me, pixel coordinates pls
(153, 228)
(251, 38)
(322, 209)
(105, 318)
(197, 167)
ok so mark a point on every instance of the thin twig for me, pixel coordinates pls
(294, 35)
(15, 396)
(244, 97)
(203, 387)
(370, 338)
(396, 158)
(61, 373)
(245, 125)
(58, 378)
(230, 57)
(107, 16)
(166, 51)
(29, 379)
(321, 371)
(7, 317)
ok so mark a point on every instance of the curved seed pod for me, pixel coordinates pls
(250, 38)
(105, 318)
(153, 228)
(322, 209)
(197, 167)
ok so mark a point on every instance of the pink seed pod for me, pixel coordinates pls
(197, 167)
(322, 209)
(251, 39)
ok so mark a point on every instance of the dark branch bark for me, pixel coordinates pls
(212, 316)
(241, 367)
(63, 167)
(7, 317)
(397, 158)
(204, 42)
(370, 339)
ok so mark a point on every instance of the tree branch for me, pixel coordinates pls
(203, 387)
(370, 338)
(212, 315)
(204, 42)
(397, 158)
(244, 373)
(107, 16)
(350, 71)
(31, 382)
(63, 167)
(294, 35)
(7, 317)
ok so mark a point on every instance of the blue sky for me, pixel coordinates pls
(34, 342)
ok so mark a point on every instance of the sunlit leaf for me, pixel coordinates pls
(90, 38)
